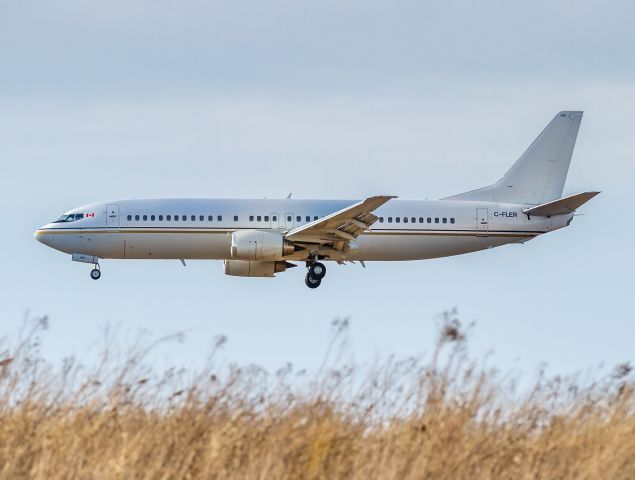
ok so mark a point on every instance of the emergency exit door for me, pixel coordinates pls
(277, 221)
(289, 220)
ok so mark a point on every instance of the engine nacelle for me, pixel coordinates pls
(259, 245)
(246, 268)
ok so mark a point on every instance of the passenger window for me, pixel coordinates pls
(152, 217)
(129, 217)
(235, 218)
(289, 218)
(160, 218)
(176, 218)
(259, 218)
(184, 218)
(251, 218)
(436, 220)
(405, 219)
(266, 218)
(219, 218)
(201, 217)
(168, 218)
(413, 220)
(389, 219)
(210, 218)
(315, 218)
(298, 218)
(429, 220)
(193, 218)
(273, 219)
(445, 220)
(145, 218)
(420, 219)
(308, 219)
(381, 219)
(397, 219)
(452, 220)
(136, 217)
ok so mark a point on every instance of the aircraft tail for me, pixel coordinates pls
(539, 174)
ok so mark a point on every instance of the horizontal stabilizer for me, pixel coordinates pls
(561, 206)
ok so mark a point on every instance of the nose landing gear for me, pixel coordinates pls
(95, 273)
(315, 274)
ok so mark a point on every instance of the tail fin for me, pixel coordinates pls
(538, 176)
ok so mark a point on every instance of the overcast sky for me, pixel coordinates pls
(331, 99)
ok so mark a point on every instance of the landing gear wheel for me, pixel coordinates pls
(312, 282)
(95, 274)
(317, 270)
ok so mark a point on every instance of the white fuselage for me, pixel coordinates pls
(260, 238)
(202, 228)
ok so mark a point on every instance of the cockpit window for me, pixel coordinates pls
(69, 218)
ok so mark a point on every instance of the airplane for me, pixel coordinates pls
(260, 238)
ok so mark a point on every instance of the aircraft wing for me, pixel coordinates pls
(340, 227)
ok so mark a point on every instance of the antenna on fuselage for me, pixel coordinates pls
(289, 196)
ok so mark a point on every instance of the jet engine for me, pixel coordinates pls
(246, 268)
(260, 245)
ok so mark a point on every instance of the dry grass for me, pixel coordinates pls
(442, 416)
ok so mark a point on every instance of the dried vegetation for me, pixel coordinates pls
(444, 415)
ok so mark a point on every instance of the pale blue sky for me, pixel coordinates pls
(323, 99)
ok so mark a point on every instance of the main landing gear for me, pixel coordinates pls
(315, 274)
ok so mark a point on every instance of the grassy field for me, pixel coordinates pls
(444, 415)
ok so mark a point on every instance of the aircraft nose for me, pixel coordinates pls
(42, 237)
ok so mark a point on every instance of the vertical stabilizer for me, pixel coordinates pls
(538, 176)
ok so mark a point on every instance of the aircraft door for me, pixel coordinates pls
(482, 221)
(112, 217)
